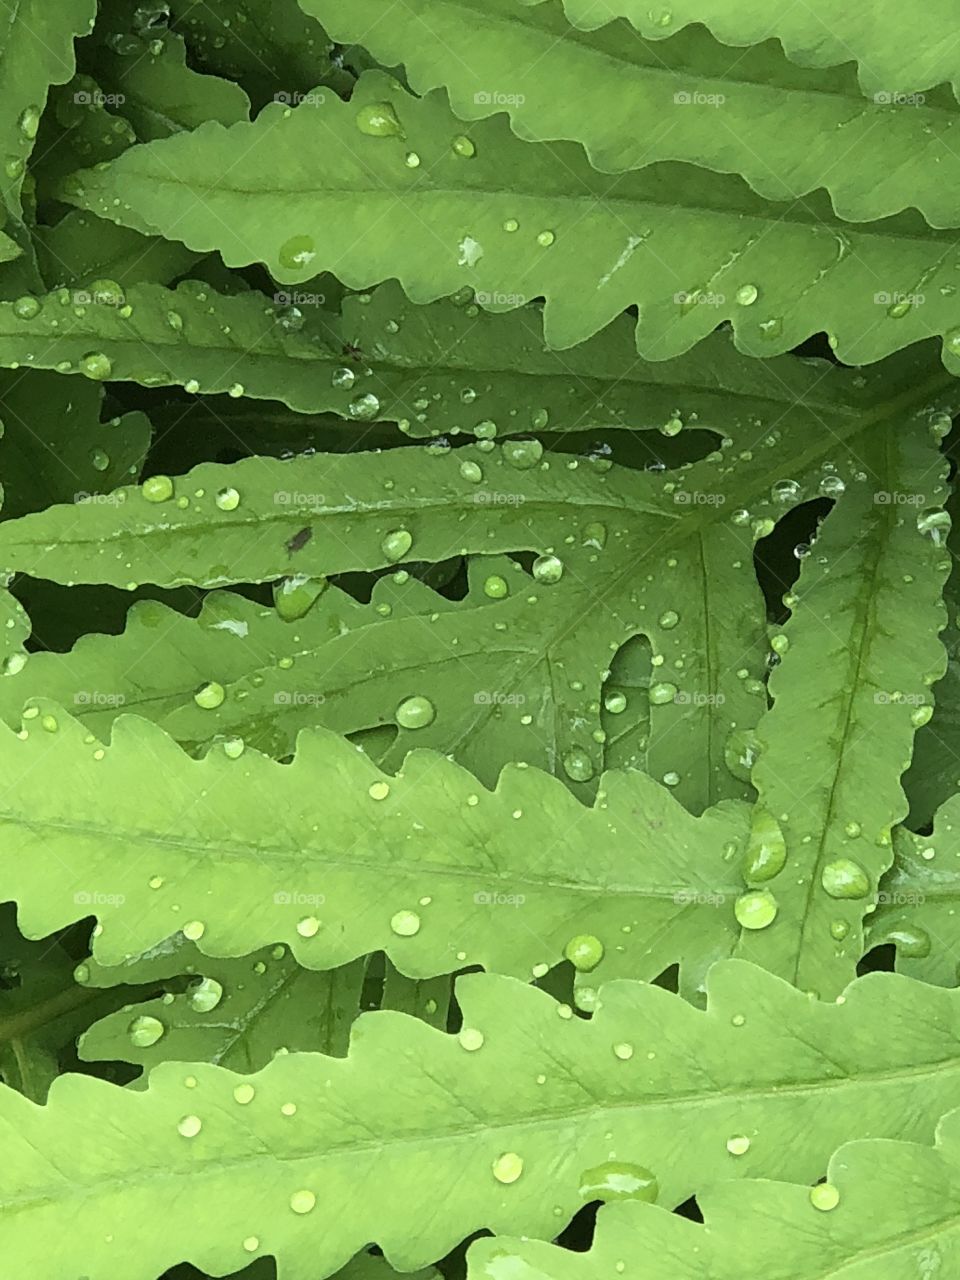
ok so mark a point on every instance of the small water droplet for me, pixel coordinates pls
(396, 544)
(747, 295)
(824, 1197)
(303, 1201)
(157, 489)
(470, 1038)
(548, 569)
(227, 499)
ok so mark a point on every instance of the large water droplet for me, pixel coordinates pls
(548, 569)
(210, 696)
(508, 1167)
(206, 995)
(343, 379)
(844, 878)
(912, 943)
(405, 923)
(379, 120)
(364, 407)
(396, 544)
(766, 851)
(415, 713)
(303, 1201)
(662, 692)
(618, 1180)
(584, 952)
(522, 454)
(756, 909)
(578, 765)
(157, 489)
(741, 752)
(297, 252)
(96, 365)
(189, 1126)
(227, 499)
(145, 1031)
(824, 1197)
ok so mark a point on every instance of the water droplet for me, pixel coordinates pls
(899, 309)
(29, 121)
(411, 160)
(913, 943)
(548, 569)
(194, 930)
(364, 407)
(738, 1145)
(672, 427)
(844, 878)
(508, 1167)
(303, 1201)
(470, 1038)
(832, 486)
(145, 1031)
(522, 454)
(308, 927)
(27, 307)
(756, 909)
(463, 146)
(189, 1126)
(343, 379)
(227, 499)
(935, 525)
(766, 851)
(96, 365)
(495, 587)
(378, 790)
(471, 472)
(584, 952)
(741, 752)
(244, 1094)
(615, 703)
(824, 1197)
(415, 713)
(785, 491)
(405, 923)
(578, 765)
(747, 295)
(210, 696)
(617, 1180)
(921, 716)
(206, 995)
(546, 238)
(662, 692)
(297, 252)
(396, 544)
(251, 1244)
(157, 489)
(839, 929)
(379, 120)
(623, 1051)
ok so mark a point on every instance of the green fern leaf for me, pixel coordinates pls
(690, 99)
(853, 689)
(427, 866)
(898, 50)
(238, 1013)
(502, 1134)
(36, 51)
(307, 190)
(906, 1192)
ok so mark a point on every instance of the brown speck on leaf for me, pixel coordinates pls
(300, 540)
